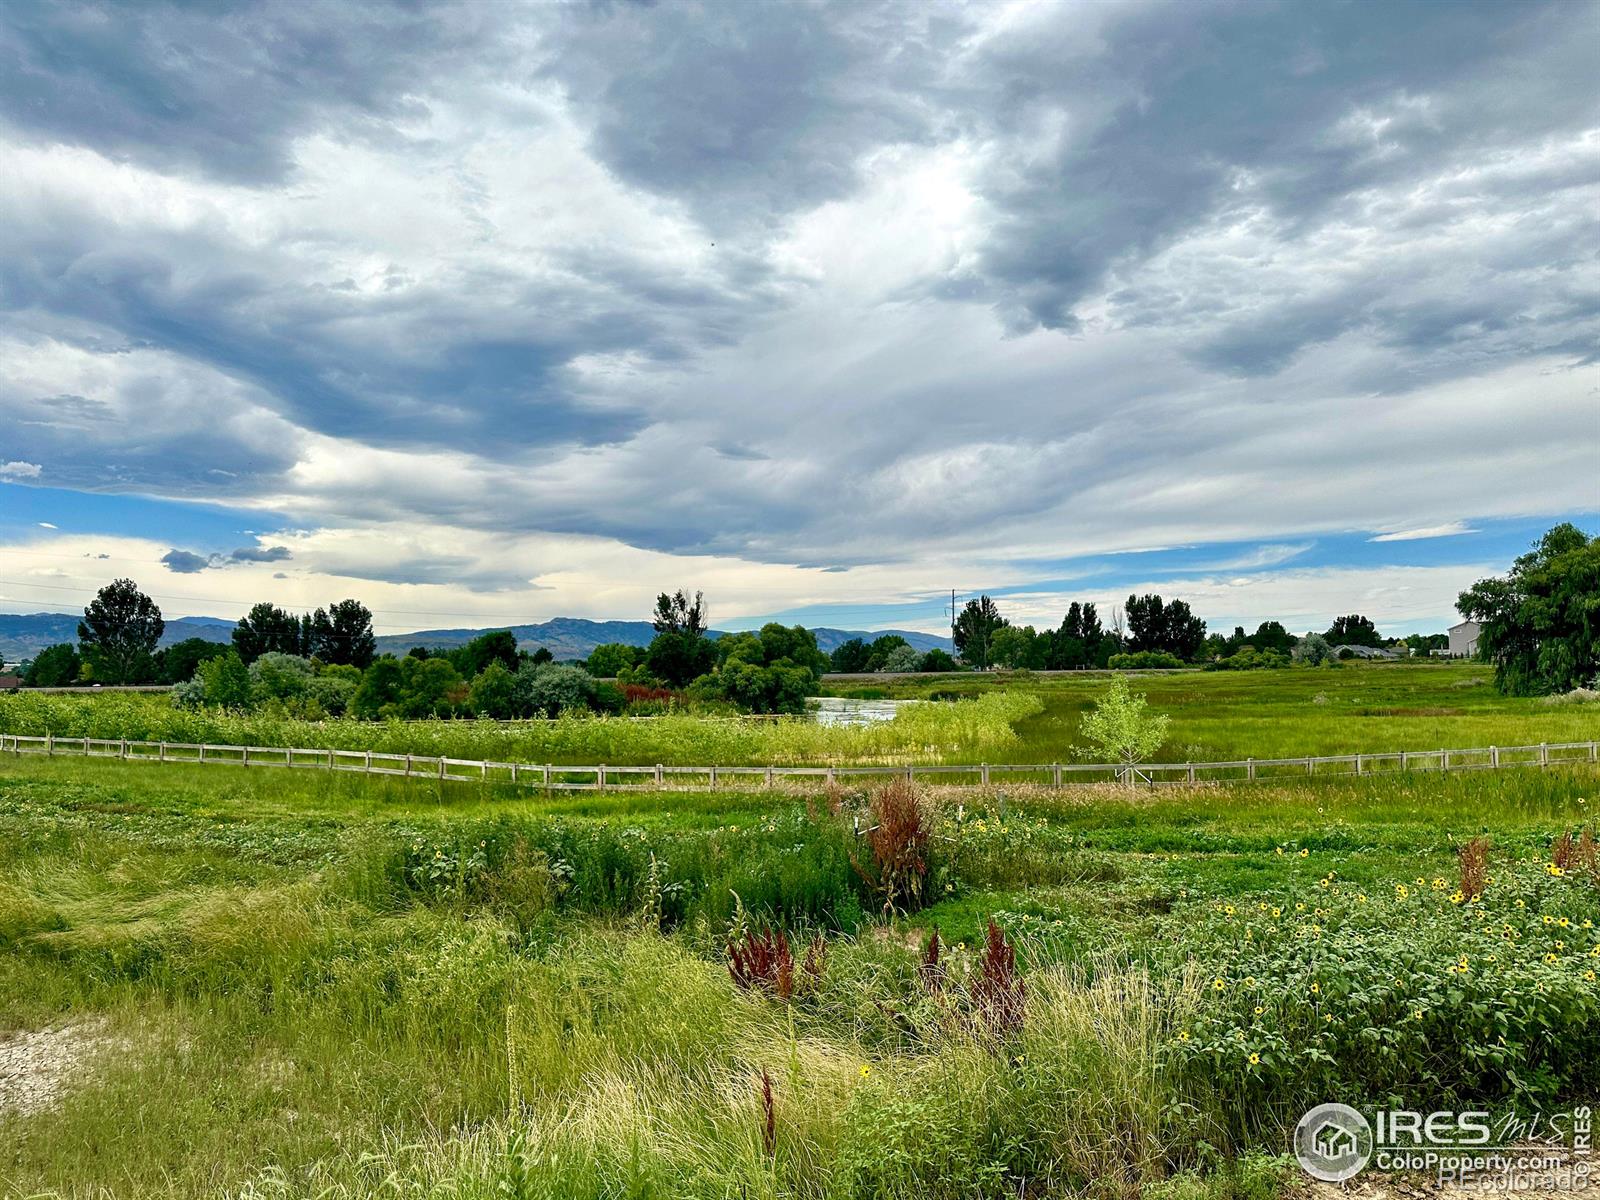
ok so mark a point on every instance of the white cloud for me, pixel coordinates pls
(16, 469)
(1449, 529)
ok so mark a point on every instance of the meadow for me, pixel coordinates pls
(310, 985)
(970, 718)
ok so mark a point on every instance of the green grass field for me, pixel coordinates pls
(301, 984)
(1001, 718)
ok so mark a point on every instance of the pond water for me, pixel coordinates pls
(835, 710)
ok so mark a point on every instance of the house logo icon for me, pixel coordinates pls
(1333, 1142)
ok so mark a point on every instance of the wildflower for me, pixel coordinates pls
(1552, 958)
(1563, 922)
(1279, 851)
(1259, 1010)
(1228, 908)
(1255, 1060)
(1589, 975)
(1277, 912)
(1304, 853)
(1219, 984)
(1555, 870)
(1316, 988)
(1299, 908)
(865, 1070)
(1183, 1035)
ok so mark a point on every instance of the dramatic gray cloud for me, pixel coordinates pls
(187, 562)
(826, 284)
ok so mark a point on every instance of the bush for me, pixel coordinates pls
(1250, 659)
(550, 689)
(1144, 660)
(1313, 650)
(902, 659)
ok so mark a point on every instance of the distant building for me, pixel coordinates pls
(10, 683)
(1373, 652)
(1464, 640)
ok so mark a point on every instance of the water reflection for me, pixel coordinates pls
(835, 710)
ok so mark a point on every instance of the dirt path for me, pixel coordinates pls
(36, 1066)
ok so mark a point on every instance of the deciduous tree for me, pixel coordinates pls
(1541, 623)
(119, 633)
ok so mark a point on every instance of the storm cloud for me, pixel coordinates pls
(810, 283)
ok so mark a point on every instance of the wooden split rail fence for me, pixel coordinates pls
(566, 777)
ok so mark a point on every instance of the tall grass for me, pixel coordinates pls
(965, 731)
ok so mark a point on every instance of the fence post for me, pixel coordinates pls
(369, 762)
(600, 777)
(547, 777)
(441, 766)
(1191, 771)
(1055, 774)
(1360, 765)
(1310, 763)
(830, 774)
(161, 753)
(483, 772)
(122, 751)
(659, 773)
(1594, 751)
(1544, 754)
(513, 774)
(984, 773)
(1250, 769)
(1444, 759)
(330, 758)
(50, 744)
(1402, 760)
(713, 776)
(202, 752)
(1494, 757)
(769, 776)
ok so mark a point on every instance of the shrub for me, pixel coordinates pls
(1144, 660)
(898, 838)
(1313, 650)
(550, 689)
(902, 659)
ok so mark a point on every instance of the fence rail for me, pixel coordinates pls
(567, 777)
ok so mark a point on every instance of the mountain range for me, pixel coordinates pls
(24, 635)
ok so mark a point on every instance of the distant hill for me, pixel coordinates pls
(24, 635)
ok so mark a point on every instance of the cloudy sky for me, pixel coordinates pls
(492, 312)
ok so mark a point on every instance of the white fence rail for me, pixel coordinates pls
(567, 777)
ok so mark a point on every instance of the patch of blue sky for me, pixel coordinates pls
(29, 514)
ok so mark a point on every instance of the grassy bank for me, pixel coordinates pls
(301, 985)
(1356, 707)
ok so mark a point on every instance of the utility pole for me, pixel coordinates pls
(952, 620)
